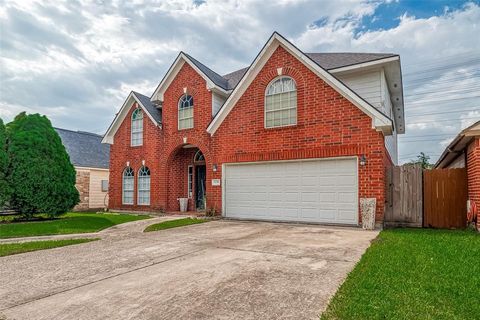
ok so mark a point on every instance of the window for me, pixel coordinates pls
(281, 103)
(185, 112)
(128, 186)
(143, 186)
(104, 185)
(198, 157)
(190, 181)
(136, 138)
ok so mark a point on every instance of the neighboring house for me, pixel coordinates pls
(464, 152)
(293, 137)
(91, 159)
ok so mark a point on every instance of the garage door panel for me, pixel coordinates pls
(345, 215)
(312, 191)
(344, 180)
(347, 197)
(327, 196)
(327, 214)
(327, 181)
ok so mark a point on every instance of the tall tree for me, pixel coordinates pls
(4, 188)
(423, 160)
(40, 174)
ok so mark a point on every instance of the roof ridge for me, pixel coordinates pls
(79, 131)
(195, 61)
(354, 52)
(227, 74)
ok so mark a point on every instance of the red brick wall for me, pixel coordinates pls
(473, 174)
(121, 152)
(328, 125)
(174, 138)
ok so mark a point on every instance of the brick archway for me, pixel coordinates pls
(187, 178)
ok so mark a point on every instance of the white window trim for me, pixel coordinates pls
(190, 182)
(283, 109)
(102, 185)
(123, 187)
(132, 132)
(139, 190)
(178, 114)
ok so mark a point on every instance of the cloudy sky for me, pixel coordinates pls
(77, 61)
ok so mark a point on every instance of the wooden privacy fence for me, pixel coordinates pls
(404, 196)
(445, 198)
(426, 198)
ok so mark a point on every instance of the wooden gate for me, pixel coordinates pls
(404, 196)
(445, 198)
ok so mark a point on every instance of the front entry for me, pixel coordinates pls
(200, 186)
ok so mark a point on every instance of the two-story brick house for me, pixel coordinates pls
(292, 137)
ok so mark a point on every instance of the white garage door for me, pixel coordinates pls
(322, 191)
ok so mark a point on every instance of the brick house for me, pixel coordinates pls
(464, 152)
(91, 159)
(293, 137)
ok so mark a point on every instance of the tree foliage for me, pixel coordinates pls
(423, 160)
(40, 175)
(4, 188)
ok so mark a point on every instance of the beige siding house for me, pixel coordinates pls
(91, 159)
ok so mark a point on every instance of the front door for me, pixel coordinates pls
(200, 191)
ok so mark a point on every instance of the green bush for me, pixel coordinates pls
(40, 175)
(4, 188)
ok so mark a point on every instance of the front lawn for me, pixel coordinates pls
(173, 224)
(14, 248)
(413, 274)
(66, 224)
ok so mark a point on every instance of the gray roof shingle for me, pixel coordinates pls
(212, 75)
(85, 149)
(327, 61)
(151, 108)
(342, 59)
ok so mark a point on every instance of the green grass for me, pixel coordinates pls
(413, 274)
(66, 224)
(173, 224)
(15, 248)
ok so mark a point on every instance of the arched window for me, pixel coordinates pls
(199, 157)
(143, 186)
(281, 103)
(128, 186)
(136, 138)
(185, 112)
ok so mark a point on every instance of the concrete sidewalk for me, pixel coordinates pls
(114, 231)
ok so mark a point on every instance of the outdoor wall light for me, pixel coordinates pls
(363, 160)
(214, 167)
(128, 163)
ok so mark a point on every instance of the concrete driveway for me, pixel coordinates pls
(215, 270)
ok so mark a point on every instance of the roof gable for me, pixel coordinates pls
(147, 106)
(379, 120)
(214, 81)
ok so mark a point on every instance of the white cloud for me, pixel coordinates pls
(77, 61)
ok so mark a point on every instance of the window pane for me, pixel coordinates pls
(281, 103)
